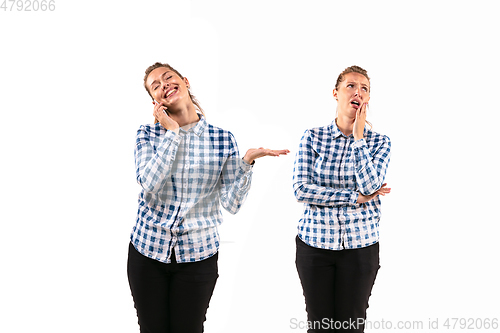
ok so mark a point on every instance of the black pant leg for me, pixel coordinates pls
(149, 284)
(171, 298)
(336, 286)
(355, 277)
(316, 272)
(191, 289)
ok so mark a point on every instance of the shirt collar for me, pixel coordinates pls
(199, 127)
(336, 132)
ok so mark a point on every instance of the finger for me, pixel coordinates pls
(161, 111)
(159, 107)
(359, 114)
(157, 113)
(281, 152)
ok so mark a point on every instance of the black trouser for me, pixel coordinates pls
(336, 285)
(171, 298)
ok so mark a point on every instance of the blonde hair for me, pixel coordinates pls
(351, 69)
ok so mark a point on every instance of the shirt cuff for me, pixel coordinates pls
(359, 143)
(245, 166)
(354, 197)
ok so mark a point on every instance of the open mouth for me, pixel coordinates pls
(355, 104)
(170, 92)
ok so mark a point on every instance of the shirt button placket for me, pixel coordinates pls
(186, 164)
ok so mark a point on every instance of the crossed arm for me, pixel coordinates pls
(370, 169)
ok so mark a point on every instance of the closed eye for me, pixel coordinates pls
(165, 77)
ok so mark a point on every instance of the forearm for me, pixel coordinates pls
(153, 167)
(323, 195)
(370, 168)
(235, 185)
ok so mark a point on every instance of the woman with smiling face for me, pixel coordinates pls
(187, 169)
(339, 175)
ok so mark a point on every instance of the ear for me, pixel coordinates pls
(186, 81)
(335, 94)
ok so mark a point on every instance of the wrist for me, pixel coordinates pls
(358, 135)
(362, 198)
(248, 161)
(175, 130)
(358, 139)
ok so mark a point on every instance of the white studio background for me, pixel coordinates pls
(72, 99)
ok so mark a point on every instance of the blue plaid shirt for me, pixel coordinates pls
(185, 178)
(330, 171)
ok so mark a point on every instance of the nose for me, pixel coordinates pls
(357, 92)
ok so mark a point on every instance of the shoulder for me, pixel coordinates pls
(316, 134)
(217, 132)
(221, 138)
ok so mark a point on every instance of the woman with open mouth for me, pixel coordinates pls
(187, 169)
(339, 174)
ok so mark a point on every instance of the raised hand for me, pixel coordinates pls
(255, 153)
(167, 122)
(359, 123)
(381, 191)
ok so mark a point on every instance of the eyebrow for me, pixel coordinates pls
(156, 81)
(363, 84)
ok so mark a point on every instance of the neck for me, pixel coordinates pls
(184, 115)
(345, 124)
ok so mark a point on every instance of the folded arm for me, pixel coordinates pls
(370, 166)
(306, 191)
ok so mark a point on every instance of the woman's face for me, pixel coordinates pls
(166, 87)
(352, 93)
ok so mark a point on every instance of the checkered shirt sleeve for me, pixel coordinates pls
(185, 179)
(370, 164)
(309, 184)
(153, 166)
